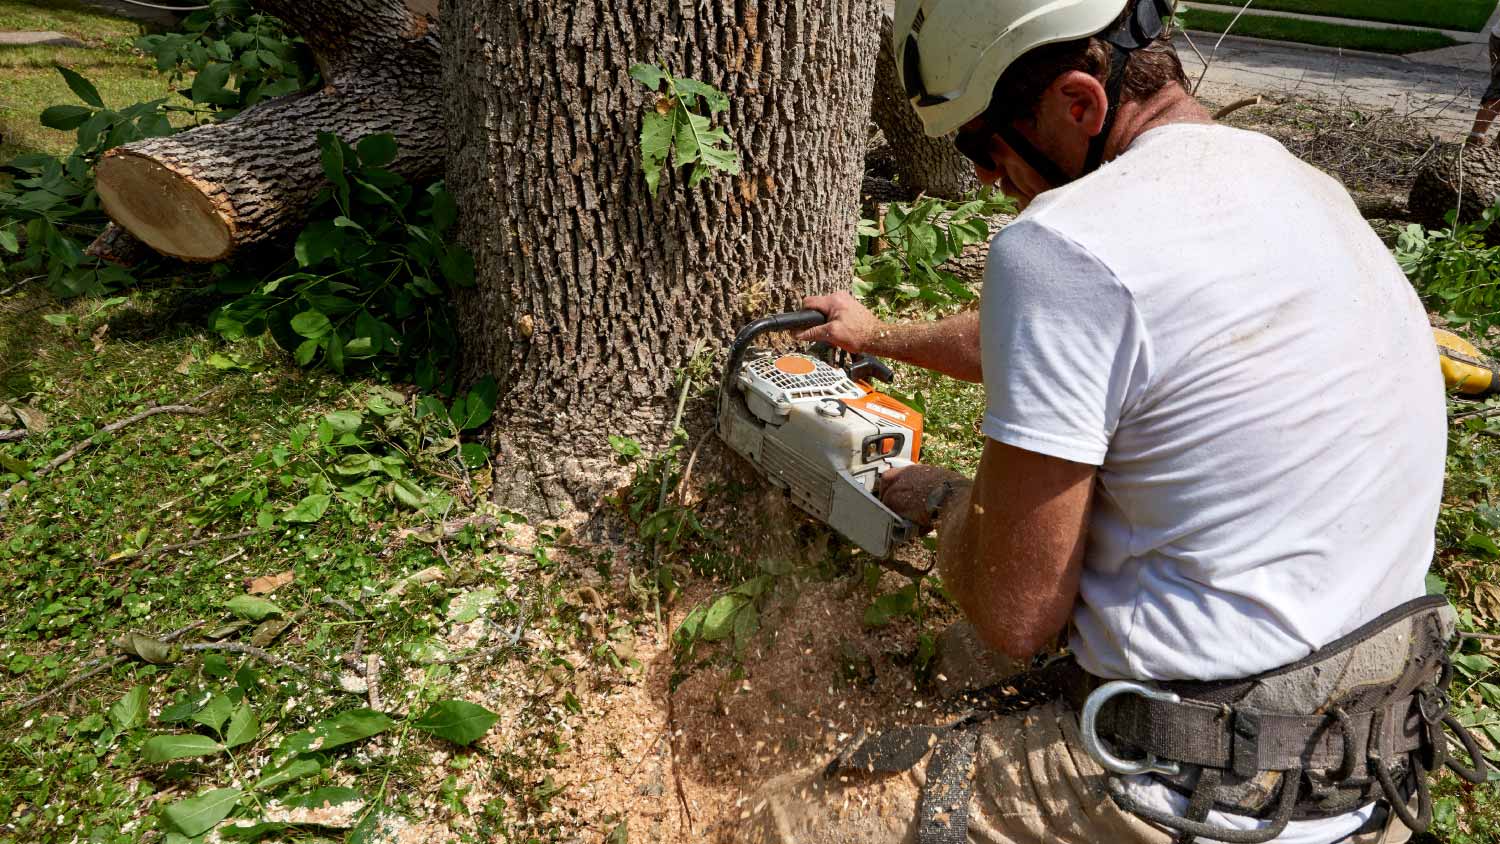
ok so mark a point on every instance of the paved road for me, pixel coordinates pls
(1445, 95)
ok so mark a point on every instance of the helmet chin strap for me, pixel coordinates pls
(1134, 33)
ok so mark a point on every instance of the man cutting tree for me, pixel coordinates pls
(1215, 456)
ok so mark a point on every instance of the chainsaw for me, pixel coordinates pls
(819, 430)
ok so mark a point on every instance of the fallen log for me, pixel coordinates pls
(1458, 177)
(209, 192)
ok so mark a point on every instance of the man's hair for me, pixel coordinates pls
(1148, 70)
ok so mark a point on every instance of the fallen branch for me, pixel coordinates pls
(14, 436)
(95, 438)
(1237, 105)
(372, 681)
(1377, 207)
(180, 546)
(101, 665)
(264, 656)
(1477, 414)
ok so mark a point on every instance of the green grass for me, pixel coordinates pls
(1469, 15)
(1397, 41)
(29, 84)
(68, 17)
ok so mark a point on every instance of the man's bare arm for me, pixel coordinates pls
(949, 346)
(1012, 553)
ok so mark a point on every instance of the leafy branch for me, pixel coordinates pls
(677, 126)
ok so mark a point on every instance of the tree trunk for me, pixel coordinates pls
(203, 194)
(924, 165)
(592, 294)
(1470, 172)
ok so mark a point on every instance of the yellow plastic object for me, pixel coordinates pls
(1465, 369)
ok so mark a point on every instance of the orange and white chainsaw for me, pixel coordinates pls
(820, 431)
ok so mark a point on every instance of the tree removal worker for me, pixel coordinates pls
(1215, 457)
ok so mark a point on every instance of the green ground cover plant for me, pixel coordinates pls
(1396, 41)
(1469, 15)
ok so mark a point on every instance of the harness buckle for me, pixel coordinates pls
(1095, 747)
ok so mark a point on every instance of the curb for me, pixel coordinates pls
(1247, 41)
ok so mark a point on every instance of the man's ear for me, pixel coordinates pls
(1076, 99)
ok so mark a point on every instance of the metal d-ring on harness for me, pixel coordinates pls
(1362, 719)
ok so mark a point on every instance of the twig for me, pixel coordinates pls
(264, 656)
(183, 546)
(13, 436)
(20, 284)
(448, 530)
(1488, 637)
(101, 665)
(510, 642)
(1217, 44)
(348, 609)
(94, 439)
(682, 800)
(372, 681)
(1477, 414)
(1237, 105)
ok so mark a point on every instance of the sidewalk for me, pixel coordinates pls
(1446, 94)
(1481, 37)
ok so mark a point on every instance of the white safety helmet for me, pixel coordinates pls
(950, 53)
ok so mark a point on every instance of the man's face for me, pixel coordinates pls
(996, 164)
(1070, 113)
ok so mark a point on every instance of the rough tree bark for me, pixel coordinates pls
(592, 294)
(203, 194)
(924, 165)
(1470, 172)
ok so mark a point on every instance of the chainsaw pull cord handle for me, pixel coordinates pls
(793, 321)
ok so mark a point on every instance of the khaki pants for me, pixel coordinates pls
(1033, 784)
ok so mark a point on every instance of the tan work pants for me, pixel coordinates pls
(1033, 785)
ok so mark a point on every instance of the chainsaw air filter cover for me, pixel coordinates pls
(774, 383)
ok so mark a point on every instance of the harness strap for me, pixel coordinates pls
(1247, 742)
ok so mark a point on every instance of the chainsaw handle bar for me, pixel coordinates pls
(793, 321)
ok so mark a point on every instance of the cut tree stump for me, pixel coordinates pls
(1472, 173)
(209, 192)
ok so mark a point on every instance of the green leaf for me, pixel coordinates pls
(82, 87)
(647, 74)
(657, 131)
(65, 117)
(245, 829)
(311, 324)
(457, 721)
(306, 351)
(166, 748)
(619, 835)
(344, 728)
(625, 446)
(470, 605)
(244, 727)
(473, 455)
(129, 711)
(254, 607)
(890, 606)
(1436, 585)
(208, 85)
(197, 815)
(718, 623)
(310, 509)
(409, 493)
(214, 713)
(377, 150)
(9, 242)
(457, 264)
(296, 769)
(319, 241)
(332, 152)
(151, 650)
(477, 407)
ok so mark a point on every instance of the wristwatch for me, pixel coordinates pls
(938, 498)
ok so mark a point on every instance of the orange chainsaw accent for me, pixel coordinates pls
(795, 365)
(886, 407)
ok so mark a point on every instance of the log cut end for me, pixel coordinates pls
(169, 211)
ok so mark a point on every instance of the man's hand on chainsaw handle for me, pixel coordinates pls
(949, 346)
(908, 491)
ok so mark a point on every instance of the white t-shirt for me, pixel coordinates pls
(1212, 323)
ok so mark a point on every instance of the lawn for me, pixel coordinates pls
(1469, 15)
(1397, 41)
(68, 17)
